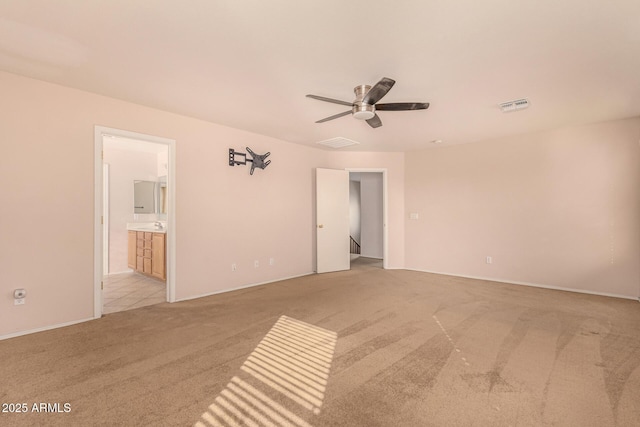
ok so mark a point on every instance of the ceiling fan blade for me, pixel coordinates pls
(402, 106)
(335, 116)
(379, 90)
(375, 122)
(335, 101)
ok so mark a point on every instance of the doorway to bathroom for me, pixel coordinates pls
(135, 254)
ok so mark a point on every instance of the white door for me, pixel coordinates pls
(332, 216)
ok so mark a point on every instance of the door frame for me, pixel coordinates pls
(99, 132)
(105, 220)
(385, 234)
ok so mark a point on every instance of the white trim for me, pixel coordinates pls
(534, 285)
(105, 225)
(171, 223)
(224, 291)
(44, 328)
(99, 131)
(97, 232)
(385, 229)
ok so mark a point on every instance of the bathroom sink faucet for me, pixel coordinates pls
(158, 225)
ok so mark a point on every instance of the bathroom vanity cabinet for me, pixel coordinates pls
(147, 253)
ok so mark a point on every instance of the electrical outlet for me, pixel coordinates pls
(489, 260)
(272, 261)
(18, 301)
(256, 264)
(234, 267)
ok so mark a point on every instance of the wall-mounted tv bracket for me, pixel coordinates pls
(257, 160)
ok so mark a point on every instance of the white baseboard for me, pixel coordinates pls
(61, 325)
(243, 287)
(44, 328)
(535, 285)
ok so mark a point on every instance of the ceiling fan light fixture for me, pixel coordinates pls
(363, 115)
(363, 111)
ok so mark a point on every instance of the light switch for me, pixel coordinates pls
(413, 215)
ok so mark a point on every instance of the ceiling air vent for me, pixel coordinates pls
(338, 142)
(518, 104)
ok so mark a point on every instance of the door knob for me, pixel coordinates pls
(320, 226)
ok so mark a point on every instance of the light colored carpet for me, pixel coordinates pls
(366, 347)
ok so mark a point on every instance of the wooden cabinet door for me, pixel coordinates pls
(131, 254)
(146, 265)
(158, 262)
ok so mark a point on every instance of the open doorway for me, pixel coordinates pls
(134, 249)
(366, 215)
(333, 218)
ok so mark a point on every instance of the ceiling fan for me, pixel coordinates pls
(365, 105)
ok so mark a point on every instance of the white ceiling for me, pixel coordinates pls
(249, 64)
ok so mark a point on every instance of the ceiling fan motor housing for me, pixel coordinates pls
(362, 110)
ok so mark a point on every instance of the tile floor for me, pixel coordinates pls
(125, 291)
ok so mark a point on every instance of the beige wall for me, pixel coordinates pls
(559, 208)
(223, 215)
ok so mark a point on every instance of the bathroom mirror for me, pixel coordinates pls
(144, 198)
(150, 196)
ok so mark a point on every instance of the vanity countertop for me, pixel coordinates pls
(149, 227)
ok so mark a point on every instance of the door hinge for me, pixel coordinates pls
(102, 285)
(102, 220)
